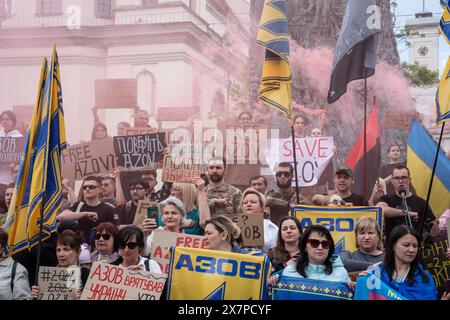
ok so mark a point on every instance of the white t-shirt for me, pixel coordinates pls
(154, 266)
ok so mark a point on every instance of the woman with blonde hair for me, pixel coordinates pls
(222, 234)
(369, 245)
(253, 202)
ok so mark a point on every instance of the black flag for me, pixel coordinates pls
(355, 54)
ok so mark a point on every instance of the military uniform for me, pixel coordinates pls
(227, 191)
(280, 200)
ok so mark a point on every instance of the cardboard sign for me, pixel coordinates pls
(340, 221)
(87, 159)
(182, 169)
(116, 93)
(58, 283)
(436, 263)
(163, 240)
(140, 151)
(252, 228)
(141, 212)
(313, 156)
(140, 130)
(109, 282)
(11, 150)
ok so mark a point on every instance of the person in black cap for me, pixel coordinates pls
(343, 179)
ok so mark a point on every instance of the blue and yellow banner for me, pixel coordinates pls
(201, 274)
(38, 191)
(290, 288)
(421, 154)
(273, 34)
(444, 24)
(371, 287)
(443, 96)
(341, 222)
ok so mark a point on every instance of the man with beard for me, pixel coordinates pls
(392, 205)
(127, 211)
(223, 198)
(284, 196)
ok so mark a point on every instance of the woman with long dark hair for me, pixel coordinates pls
(287, 251)
(401, 269)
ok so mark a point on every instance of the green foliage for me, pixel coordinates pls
(419, 76)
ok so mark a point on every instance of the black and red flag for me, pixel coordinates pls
(355, 158)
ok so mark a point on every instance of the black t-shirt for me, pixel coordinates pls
(126, 212)
(386, 171)
(415, 204)
(104, 211)
(356, 200)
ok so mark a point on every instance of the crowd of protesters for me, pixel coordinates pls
(97, 225)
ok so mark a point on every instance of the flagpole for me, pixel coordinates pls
(38, 256)
(365, 138)
(295, 163)
(422, 219)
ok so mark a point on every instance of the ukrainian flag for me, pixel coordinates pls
(273, 34)
(443, 96)
(38, 191)
(421, 153)
(444, 24)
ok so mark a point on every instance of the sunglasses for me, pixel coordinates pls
(89, 186)
(130, 245)
(283, 174)
(105, 236)
(315, 243)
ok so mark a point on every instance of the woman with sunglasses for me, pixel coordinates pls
(68, 249)
(401, 269)
(316, 260)
(368, 242)
(131, 243)
(105, 243)
(287, 251)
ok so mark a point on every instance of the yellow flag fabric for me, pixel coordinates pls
(273, 34)
(443, 96)
(341, 222)
(421, 154)
(444, 24)
(38, 191)
(201, 274)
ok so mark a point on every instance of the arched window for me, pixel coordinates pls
(146, 91)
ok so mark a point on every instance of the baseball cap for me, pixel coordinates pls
(174, 201)
(345, 170)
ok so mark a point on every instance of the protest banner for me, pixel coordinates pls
(313, 155)
(140, 131)
(180, 169)
(252, 228)
(11, 150)
(163, 240)
(87, 159)
(436, 263)
(340, 221)
(290, 288)
(200, 274)
(370, 287)
(58, 283)
(109, 282)
(139, 151)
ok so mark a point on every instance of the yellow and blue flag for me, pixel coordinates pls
(276, 83)
(444, 24)
(38, 190)
(443, 96)
(421, 154)
(201, 274)
(340, 221)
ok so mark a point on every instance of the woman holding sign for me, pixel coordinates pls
(254, 202)
(401, 269)
(99, 132)
(68, 249)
